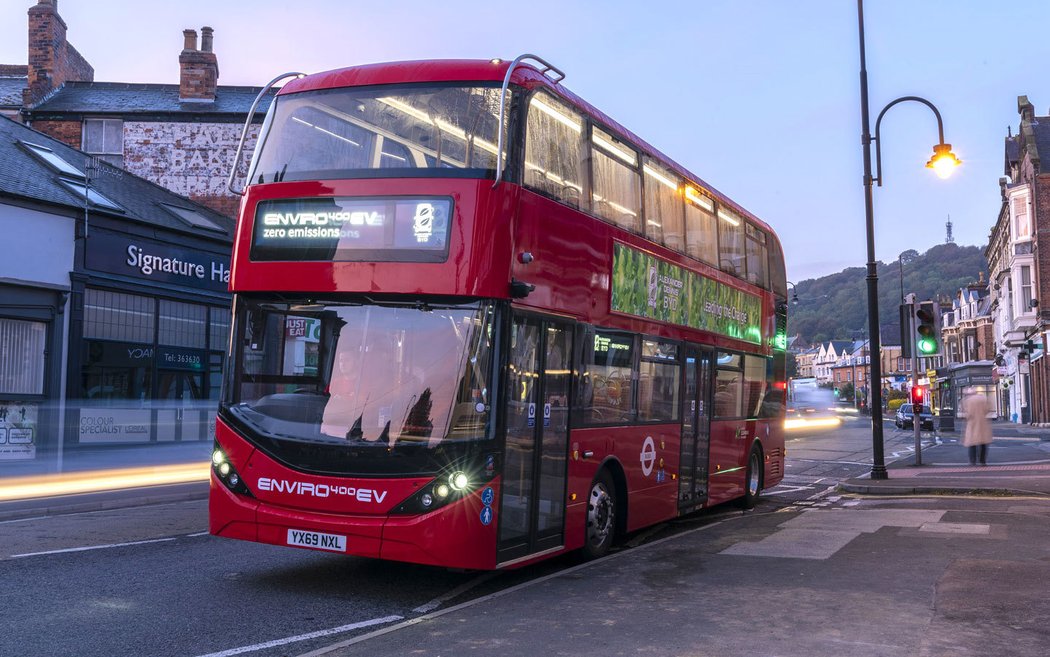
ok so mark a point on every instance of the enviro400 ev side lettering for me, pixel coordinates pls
(321, 490)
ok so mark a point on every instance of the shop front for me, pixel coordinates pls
(149, 332)
(966, 378)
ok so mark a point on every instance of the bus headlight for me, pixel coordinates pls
(226, 473)
(459, 481)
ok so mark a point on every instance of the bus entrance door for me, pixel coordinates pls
(696, 429)
(532, 507)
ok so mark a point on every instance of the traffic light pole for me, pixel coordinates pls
(916, 422)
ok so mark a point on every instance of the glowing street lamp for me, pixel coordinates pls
(943, 161)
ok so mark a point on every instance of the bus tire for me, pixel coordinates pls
(753, 480)
(600, 529)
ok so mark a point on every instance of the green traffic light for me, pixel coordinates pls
(927, 346)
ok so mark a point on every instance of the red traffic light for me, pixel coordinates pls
(916, 395)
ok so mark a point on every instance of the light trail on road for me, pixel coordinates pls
(94, 481)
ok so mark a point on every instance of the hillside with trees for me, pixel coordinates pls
(835, 307)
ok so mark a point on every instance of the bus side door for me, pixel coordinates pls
(539, 380)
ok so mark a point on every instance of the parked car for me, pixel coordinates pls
(906, 416)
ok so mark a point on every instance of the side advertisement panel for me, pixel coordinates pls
(646, 286)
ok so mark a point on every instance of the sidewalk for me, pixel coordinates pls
(950, 577)
(1018, 464)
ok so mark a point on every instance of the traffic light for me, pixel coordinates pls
(927, 329)
(916, 395)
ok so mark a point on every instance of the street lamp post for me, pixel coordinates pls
(943, 161)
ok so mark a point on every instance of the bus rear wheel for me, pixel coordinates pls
(601, 517)
(753, 480)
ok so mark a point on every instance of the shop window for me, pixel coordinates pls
(22, 351)
(182, 324)
(118, 316)
(220, 329)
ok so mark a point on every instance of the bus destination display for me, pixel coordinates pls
(394, 229)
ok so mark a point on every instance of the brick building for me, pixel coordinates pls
(181, 136)
(1018, 255)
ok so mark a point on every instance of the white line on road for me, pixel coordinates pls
(784, 490)
(459, 590)
(90, 547)
(304, 637)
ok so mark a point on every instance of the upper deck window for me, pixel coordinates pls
(554, 150)
(379, 131)
(617, 193)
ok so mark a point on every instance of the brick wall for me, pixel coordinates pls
(1041, 246)
(190, 159)
(52, 60)
(68, 132)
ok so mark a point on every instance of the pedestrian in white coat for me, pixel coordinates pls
(978, 432)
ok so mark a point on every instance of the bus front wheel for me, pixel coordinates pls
(753, 481)
(601, 517)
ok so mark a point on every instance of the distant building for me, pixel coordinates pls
(1019, 275)
(182, 136)
(968, 341)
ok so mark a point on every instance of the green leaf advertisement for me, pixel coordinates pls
(645, 286)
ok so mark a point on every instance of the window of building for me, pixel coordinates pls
(51, 159)
(616, 190)
(86, 192)
(193, 218)
(664, 218)
(118, 316)
(1019, 209)
(104, 138)
(553, 150)
(182, 324)
(22, 350)
(1027, 293)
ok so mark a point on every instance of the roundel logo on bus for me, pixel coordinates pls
(648, 456)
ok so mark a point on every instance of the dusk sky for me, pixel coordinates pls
(759, 98)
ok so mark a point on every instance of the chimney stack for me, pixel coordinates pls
(198, 69)
(52, 61)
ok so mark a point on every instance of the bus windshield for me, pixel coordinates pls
(326, 386)
(379, 131)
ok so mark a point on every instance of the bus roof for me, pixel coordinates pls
(481, 70)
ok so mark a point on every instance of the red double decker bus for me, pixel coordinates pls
(478, 323)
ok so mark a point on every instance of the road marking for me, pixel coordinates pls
(460, 590)
(304, 637)
(90, 547)
(784, 490)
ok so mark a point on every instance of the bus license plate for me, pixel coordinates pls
(331, 542)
